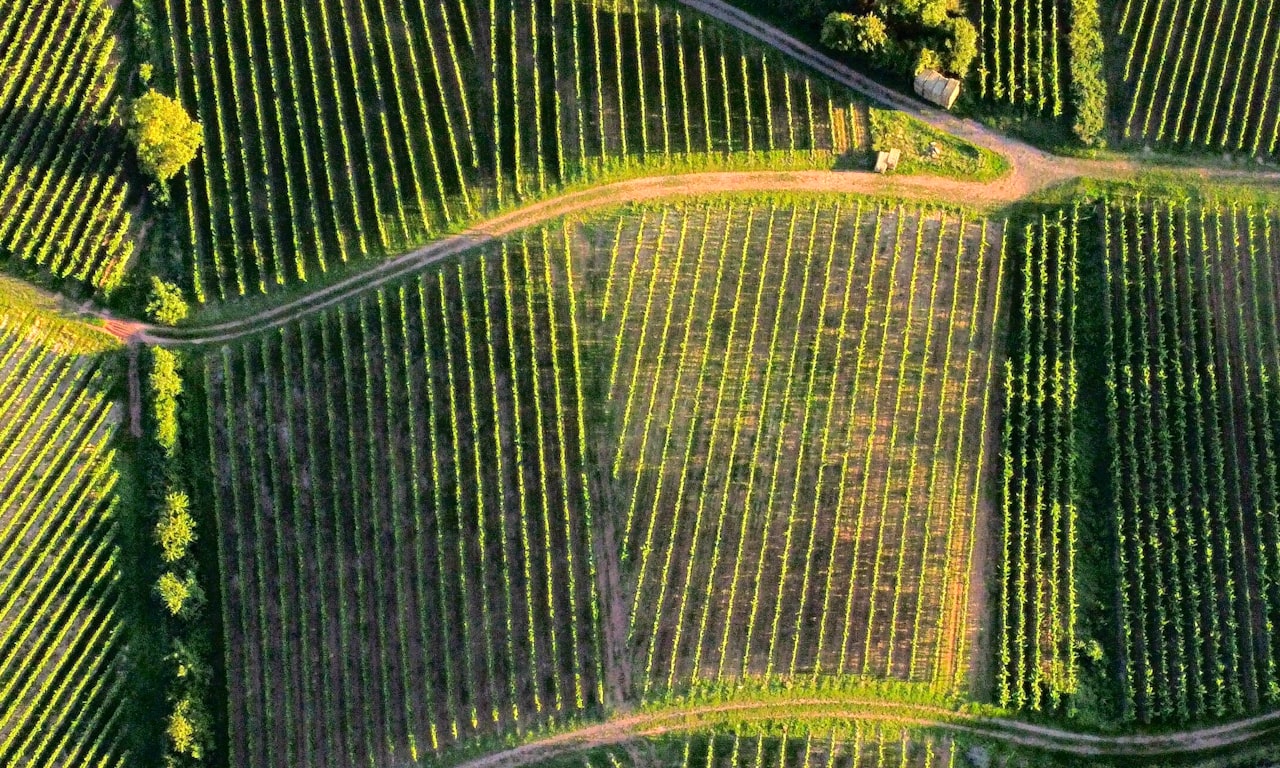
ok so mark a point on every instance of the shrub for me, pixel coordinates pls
(166, 304)
(863, 34)
(928, 59)
(176, 530)
(190, 666)
(165, 136)
(181, 596)
(188, 728)
(962, 47)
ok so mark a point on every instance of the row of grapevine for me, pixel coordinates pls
(63, 644)
(64, 190)
(404, 522)
(1023, 56)
(1036, 624)
(1202, 73)
(442, 465)
(790, 358)
(1193, 343)
(336, 130)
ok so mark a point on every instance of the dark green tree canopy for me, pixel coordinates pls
(164, 134)
(962, 48)
(846, 32)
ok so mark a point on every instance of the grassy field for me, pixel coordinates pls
(64, 194)
(495, 468)
(63, 640)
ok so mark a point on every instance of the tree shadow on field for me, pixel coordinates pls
(48, 155)
(43, 138)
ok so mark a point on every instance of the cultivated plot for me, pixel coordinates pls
(1200, 73)
(1194, 343)
(63, 643)
(405, 532)
(336, 130)
(798, 402)
(566, 471)
(64, 196)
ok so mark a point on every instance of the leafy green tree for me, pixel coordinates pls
(176, 530)
(181, 595)
(837, 32)
(962, 48)
(1088, 81)
(166, 304)
(846, 32)
(930, 13)
(165, 381)
(164, 135)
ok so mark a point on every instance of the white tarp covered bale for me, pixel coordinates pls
(938, 89)
(888, 160)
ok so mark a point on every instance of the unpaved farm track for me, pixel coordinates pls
(623, 729)
(1025, 179)
(608, 195)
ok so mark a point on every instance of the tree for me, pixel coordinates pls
(166, 305)
(182, 596)
(930, 13)
(165, 136)
(928, 59)
(176, 530)
(870, 33)
(865, 34)
(837, 32)
(187, 728)
(1088, 81)
(962, 48)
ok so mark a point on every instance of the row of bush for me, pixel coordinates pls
(1088, 83)
(188, 729)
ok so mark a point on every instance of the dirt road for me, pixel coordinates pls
(635, 190)
(630, 727)
(1033, 168)
(1029, 175)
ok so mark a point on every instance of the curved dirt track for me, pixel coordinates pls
(1033, 168)
(636, 726)
(1028, 176)
(608, 195)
